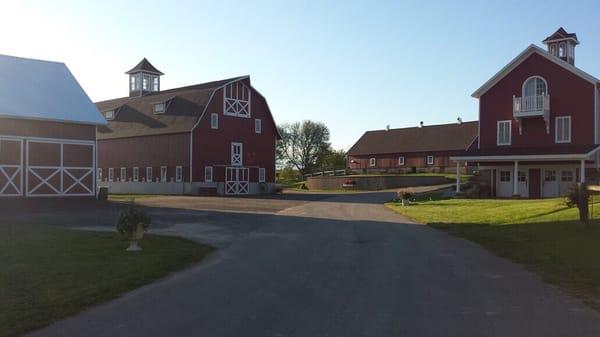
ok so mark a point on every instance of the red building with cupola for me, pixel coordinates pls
(211, 138)
(539, 122)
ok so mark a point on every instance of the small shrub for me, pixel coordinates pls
(406, 195)
(130, 218)
(579, 196)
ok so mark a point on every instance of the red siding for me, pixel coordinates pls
(441, 161)
(569, 95)
(147, 151)
(212, 147)
(33, 128)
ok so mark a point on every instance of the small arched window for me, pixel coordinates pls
(561, 50)
(535, 86)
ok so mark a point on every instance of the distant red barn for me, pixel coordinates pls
(47, 131)
(415, 149)
(211, 138)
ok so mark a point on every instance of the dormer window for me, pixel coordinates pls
(110, 115)
(159, 108)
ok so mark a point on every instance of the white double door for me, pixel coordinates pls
(505, 183)
(557, 182)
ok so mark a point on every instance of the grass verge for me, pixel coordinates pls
(543, 235)
(50, 273)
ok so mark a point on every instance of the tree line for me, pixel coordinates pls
(305, 146)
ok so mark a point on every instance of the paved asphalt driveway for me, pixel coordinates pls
(331, 266)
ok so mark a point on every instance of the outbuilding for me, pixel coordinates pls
(47, 131)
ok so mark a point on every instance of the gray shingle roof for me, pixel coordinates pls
(445, 137)
(134, 116)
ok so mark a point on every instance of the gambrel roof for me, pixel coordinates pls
(43, 90)
(135, 116)
(522, 57)
(444, 137)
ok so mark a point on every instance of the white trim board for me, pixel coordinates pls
(532, 49)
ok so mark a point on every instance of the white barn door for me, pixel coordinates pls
(11, 167)
(237, 180)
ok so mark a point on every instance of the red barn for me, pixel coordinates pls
(210, 138)
(538, 122)
(47, 131)
(417, 149)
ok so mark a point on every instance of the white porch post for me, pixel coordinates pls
(582, 172)
(516, 179)
(457, 177)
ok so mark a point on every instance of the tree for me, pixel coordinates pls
(303, 145)
(333, 160)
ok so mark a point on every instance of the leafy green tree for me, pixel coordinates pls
(303, 145)
(333, 160)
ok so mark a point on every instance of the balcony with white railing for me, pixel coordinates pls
(531, 106)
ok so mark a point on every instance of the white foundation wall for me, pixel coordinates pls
(177, 188)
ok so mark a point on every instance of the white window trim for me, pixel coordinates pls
(123, 174)
(136, 174)
(234, 104)
(401, 161)
(208, 177)
(214, 120)
(111, 174)
(372, 162)
(532, 77)
(430, 162)
(178, 174)
(99, 174)
(257, 125)
(262, 175)
(163, 110)
(149, 174)
(509, 132)
(109, 115)
(556, 140)
(163, 173)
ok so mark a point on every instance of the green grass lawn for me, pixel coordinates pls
(49, 273)
(544, 235)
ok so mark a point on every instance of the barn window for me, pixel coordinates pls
(178, 173)
(401, 160)
(561, 50)
(123, 174)
(208, 174)
(111, 174)
(372, 162)
(214, 120)
(110, 115)
(155, 84)
(550, 175)
(258, 126)
(429, 160)
(149, 174)
(159, 108)
(236, 100)
(562, 132)
(261, 175)
(99, 174)
(503, 133)
(566, 175)
(163, 174)
(535, 86)
(505, 176)
(136, 174)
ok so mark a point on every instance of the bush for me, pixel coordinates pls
(130, 218)
(406, 195)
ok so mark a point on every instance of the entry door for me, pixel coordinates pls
(504, 186)
(236, 154)
(523, 184)
(236, 180)
(534, 183)
(550, 185)
(567, 180)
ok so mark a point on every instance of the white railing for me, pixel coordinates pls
(531, 106)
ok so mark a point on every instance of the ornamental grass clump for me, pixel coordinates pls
(131, 224)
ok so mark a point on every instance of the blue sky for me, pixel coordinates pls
(353, 65)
